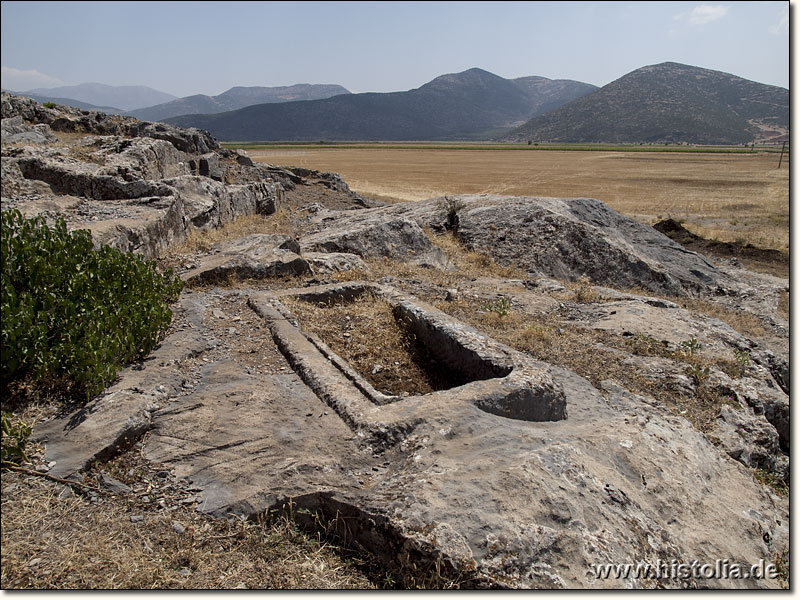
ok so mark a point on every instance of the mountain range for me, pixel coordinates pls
(473, 104)
(123, 97)
(663, 103)
(667, 102)
(235, 98)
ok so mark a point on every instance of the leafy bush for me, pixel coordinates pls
(49, 104)
(15, 437)
(69, 310)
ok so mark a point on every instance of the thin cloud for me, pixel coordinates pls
(700, 15)
(20, 80)
(782, 26)
(703, 14)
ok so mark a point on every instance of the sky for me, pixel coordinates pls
(186, 48)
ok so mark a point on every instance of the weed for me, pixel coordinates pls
(692, 346)
(49, 104)
(698, 374)
(583, 291)
(741, 360)
(781, 562)
(451, 207)
(772, 481)
(500, 306)
(645, 345)
(15, 438)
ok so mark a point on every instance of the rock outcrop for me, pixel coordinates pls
(525, 475)
(555, 237)
(130, 183)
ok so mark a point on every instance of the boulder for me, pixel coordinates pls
(66, 118)
(16, 131)
(372, 235)
(326, 263)
(257, 256)
(571, 238)
(751, 440)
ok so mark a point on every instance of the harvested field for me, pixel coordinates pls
(729, 197)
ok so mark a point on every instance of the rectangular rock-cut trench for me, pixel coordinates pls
(388, 344)
(486, 374)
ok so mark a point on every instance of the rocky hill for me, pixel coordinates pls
(668, 102)
(235, 98)
(545, 420)
(472, 104)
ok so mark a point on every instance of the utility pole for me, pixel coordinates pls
(781, 160)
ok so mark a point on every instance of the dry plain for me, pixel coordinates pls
(730, 197)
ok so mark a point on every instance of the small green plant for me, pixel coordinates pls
(771, 480)
(501, 306)
(742, 357)
(698, 374)
(692, 346)
(451, 207)
(781, 560)
(15, 438)
(49, 105)
(72, 311)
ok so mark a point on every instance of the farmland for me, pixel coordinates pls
(729, 195)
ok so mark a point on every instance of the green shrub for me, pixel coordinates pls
(12, 445)
(69, 310)
(49, 104)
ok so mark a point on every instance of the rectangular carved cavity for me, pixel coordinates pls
(397, 351)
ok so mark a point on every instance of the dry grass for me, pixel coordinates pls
(464, 265)
(783, 304)
(204, 240)
(745, 323)
(719, 196)
(53, 538)
(583, 291)
(594, 355)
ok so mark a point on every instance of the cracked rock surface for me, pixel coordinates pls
(439, 478)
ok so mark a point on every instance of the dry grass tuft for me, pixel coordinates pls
(469, 262)
(466, 265)
(583, 291)
(204, 240)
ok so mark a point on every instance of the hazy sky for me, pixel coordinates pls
(188, 48)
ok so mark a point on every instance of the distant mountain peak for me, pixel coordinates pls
(668, 102)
